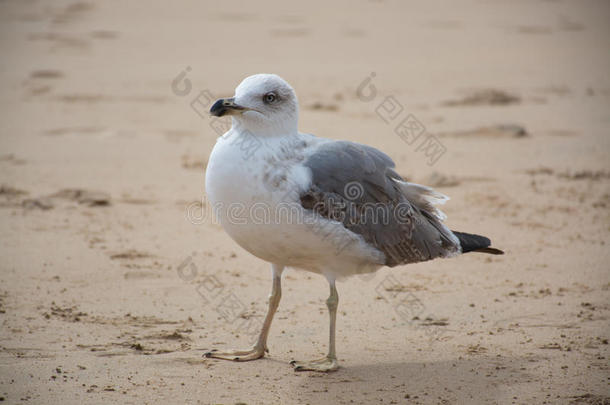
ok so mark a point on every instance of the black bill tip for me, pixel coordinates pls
(226, 106)
(218, 108)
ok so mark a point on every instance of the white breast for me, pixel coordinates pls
(247, 189)
(255, 195)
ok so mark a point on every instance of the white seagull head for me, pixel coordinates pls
(264, 104)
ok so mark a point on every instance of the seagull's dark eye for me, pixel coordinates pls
(270, 98)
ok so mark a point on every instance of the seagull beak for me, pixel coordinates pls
(226, 106)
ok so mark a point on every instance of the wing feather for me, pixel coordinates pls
(356, 185)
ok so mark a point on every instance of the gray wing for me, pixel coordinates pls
(356, 184)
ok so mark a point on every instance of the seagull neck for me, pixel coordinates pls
(264, 131)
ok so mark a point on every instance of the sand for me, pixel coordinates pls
(114, 280)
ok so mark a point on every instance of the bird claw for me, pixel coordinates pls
(209, 353)
(325, 364)
(236, 355)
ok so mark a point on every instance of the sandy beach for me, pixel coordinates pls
(115, 279)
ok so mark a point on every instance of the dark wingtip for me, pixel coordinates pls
(490, 250)
(476, 243)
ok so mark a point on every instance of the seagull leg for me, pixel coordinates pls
(260, 347)
(328, 363)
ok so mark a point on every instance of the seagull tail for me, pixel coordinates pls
(476, 243)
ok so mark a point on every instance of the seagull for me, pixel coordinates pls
(335, 208)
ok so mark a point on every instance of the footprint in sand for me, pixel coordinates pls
(485, 97)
